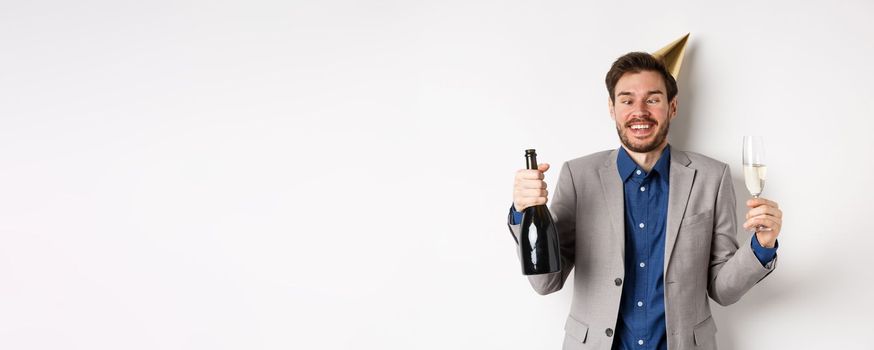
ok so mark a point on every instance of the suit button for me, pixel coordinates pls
(609, 332)
(618, 281)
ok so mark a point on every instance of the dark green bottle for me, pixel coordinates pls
(538, 241)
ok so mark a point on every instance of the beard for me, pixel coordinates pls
(660, 137)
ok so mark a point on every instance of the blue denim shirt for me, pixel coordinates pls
(641, 322)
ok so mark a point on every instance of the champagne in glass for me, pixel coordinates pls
(754, 177)
(755, 171)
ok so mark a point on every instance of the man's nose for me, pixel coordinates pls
(640, 110)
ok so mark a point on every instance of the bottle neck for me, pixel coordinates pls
(531, 161)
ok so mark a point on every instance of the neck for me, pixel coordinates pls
(647, 160)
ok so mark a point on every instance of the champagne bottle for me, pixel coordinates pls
(538, 241)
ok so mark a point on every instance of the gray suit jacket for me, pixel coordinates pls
(702, 255)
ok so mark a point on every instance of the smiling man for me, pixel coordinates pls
(649, 231)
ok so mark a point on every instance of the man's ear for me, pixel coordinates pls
(673, 108)
(610, 107)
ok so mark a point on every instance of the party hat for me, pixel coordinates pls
(672, 55)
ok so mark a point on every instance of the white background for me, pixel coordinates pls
(337, 174)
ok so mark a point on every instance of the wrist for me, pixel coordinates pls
(765, 242)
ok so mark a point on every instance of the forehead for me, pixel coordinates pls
(640, 83)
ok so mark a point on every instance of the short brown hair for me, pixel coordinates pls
(636, 62)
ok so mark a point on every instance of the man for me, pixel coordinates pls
(649, 231)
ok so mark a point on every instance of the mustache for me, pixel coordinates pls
(639, 120)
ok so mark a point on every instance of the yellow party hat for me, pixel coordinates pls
(672, 55)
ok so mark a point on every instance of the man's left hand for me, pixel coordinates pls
(766, 218)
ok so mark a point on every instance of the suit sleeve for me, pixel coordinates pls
(563, 210)
(734, 268)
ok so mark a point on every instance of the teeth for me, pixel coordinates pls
(640, 126)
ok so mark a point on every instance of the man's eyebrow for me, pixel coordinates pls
(651, 92)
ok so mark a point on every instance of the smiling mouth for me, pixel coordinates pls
(641, 129)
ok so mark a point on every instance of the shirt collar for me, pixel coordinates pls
(627, 166)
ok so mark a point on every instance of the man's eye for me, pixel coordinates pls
(625, 102)
(652, 101)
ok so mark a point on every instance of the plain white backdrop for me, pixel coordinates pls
(337, 174)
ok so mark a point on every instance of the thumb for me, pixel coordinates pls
(543, 167)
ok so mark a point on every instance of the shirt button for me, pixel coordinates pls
(609, 332)
(637, 172)
(642, 265)
(618, 281)
(642, 188)
(640, 342)
(641, 225)
(639, 303)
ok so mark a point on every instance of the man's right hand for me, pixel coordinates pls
(529, 189)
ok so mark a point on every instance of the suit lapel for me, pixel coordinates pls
(681, 179)
(615, 198)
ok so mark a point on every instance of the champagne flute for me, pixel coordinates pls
(755, 171)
